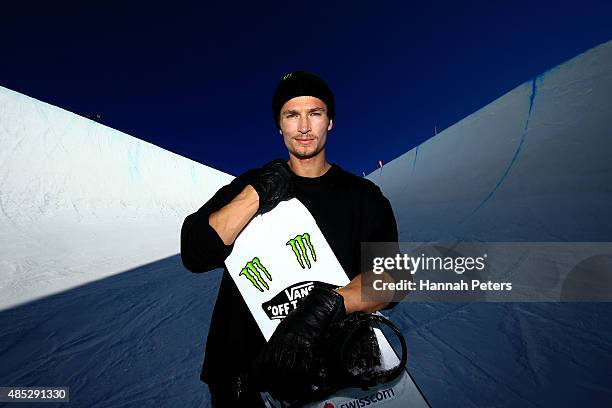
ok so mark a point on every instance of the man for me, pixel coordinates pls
(348, 209)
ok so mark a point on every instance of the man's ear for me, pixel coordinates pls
(280, 131)
(331, 125)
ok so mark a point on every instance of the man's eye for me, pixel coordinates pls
(316, 113)
(291, 115)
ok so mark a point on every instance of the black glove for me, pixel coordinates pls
(304, 361)
(353, 345)
(289, 366)
(273, 184)
(353, 357)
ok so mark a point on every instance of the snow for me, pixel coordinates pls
(80, 201)
(134, 339)
(92, 286)
(532, 166)
(93, 294)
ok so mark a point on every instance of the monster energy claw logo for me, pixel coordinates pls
(298, 245)
(252, 271)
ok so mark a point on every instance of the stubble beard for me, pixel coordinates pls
(305, 155)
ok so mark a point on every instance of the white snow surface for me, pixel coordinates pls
(94, 296)
(532, 166)
(80, 201)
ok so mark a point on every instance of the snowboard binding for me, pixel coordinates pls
(353, 358)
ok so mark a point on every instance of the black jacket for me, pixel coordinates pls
(348, 209)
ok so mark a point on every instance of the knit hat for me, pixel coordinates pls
(301, 83)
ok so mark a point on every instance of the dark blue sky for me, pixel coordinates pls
(197, 79)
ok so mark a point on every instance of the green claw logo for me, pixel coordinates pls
(298, 245)
(252, 271)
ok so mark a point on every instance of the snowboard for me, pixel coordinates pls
(275, 261)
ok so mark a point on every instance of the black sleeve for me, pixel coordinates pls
(382, 225)
(201, 247)
(383, 228)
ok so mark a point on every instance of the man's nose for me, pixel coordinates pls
(304, 125)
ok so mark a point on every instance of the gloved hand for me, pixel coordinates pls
(290, 364)
(352, 356)
(273, 184)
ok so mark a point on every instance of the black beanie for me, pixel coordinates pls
(301, 83)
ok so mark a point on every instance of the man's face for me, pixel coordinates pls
(304, 125)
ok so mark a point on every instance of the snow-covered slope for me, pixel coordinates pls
(533, 166)
(80, 201)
